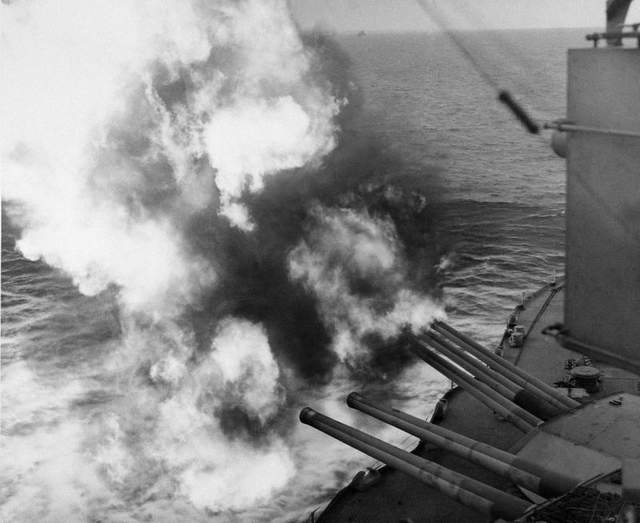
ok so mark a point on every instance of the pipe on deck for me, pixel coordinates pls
(529, 475)
(521, 418)
(515, 374)
(471, 493)
(498, 382)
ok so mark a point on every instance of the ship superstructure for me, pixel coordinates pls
(545, 427)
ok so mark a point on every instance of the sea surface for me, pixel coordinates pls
(499, 208)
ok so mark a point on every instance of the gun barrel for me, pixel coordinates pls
(530, 476)
(470, 492)
(529, 401)
(514, 373)
(497, 382)
(521, 418)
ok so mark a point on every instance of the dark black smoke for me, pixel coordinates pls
(253, 281)
(359, 174)
(252, 267)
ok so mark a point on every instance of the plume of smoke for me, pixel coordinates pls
(217, 472)
(117, 118)
(71, 66)
(251, 141)
(354, 265)
(121, 124)
(38, 484)
(151, 444)
(143, 144)
(250, 373)
(189, 436)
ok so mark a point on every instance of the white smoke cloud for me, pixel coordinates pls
(87, 130)
(120, 121)
(216, 472)
(242, 353)
(148, 446)
(71, 65)
(248, 142)
(343, 249)
(38, 484)
(257, 135)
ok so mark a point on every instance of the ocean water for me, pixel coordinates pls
(501, 191)
(496, 202)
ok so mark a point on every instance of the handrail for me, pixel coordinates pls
(569, 127)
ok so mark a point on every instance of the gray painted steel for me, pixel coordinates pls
(534, 403)
(500, 462)
(526, 380)
(468, 491)
(602, 306)
(516, 415)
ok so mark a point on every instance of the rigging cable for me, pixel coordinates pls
(435, 16)
(503, 95)
(507, 52)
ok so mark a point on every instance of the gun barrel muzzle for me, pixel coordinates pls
(531, 476)
(515, 374)
(529, 401)
(516, 415)
(472, 493)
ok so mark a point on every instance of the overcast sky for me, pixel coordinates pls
(405, 15)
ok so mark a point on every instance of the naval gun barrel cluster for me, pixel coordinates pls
(519, 470)
(516, 415)
(518, 397)
(508, 370)
(523, 397)
(512, 393)
(470, 492)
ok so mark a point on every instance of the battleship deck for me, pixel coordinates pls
(397, 497)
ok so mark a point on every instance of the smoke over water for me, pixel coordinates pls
(353, 264)
(185, 161)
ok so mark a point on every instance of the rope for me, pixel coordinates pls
(435, 16)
